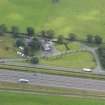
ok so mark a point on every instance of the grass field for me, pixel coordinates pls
(79, 16)
(7, 49)
(29, 99)
(76, 60)
(71, 45)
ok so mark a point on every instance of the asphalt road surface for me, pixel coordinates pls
(52, 80)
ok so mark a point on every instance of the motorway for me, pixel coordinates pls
(52, 80)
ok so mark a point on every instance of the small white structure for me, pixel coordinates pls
(19, 53)
(48, 46)
(23, 81)
(21, 48)
(22, 55)
(87, 70)
(54, 40)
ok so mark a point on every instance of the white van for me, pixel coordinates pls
(23, 81)
(87, 70)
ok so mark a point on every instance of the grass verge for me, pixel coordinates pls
(15, 87)
(39, 99)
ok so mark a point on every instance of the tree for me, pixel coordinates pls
(90, 38)
(3, 29)
(30, 31)
(72, 37)
(98, 39)
(61, 39)
(19, 42)
(35, 60)
(50, 34)
(101, 53)
(15, 31)
(35, 44)
(66, 45)
(43, 34)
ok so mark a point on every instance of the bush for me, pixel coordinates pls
(90, 38)
(98, 39)
(101, 53)
(61, 39)
(72, 37)
(19, 42)
(3, 29)
(35, 60)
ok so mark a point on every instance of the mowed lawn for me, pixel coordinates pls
(79, 16)
(29, 99)
(72, 46)
(74, 60)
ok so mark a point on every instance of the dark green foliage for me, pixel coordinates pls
(32, 47)
(72, 37)
(66, 46)
(19, 42)
(50, 34)
(90, 38)
(15, 31)
(61, 39)
(101, 53)
(35, 60)
(3, 29)
(35, 44)
(47, 34)
(98, 39)
(30, 31)
(43, 34)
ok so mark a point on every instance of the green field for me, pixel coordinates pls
(76, 60)
(7, 49)
(71, 45)
(29, 99)
(79, 16)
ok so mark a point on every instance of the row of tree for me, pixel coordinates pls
(94, 39)
(101, 53)
(50, 34)
(15, 31)
(97, 39)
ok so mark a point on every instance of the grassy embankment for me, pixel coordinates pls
(33, 99)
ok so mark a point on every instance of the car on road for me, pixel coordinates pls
(23, 81)
(87, 70)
